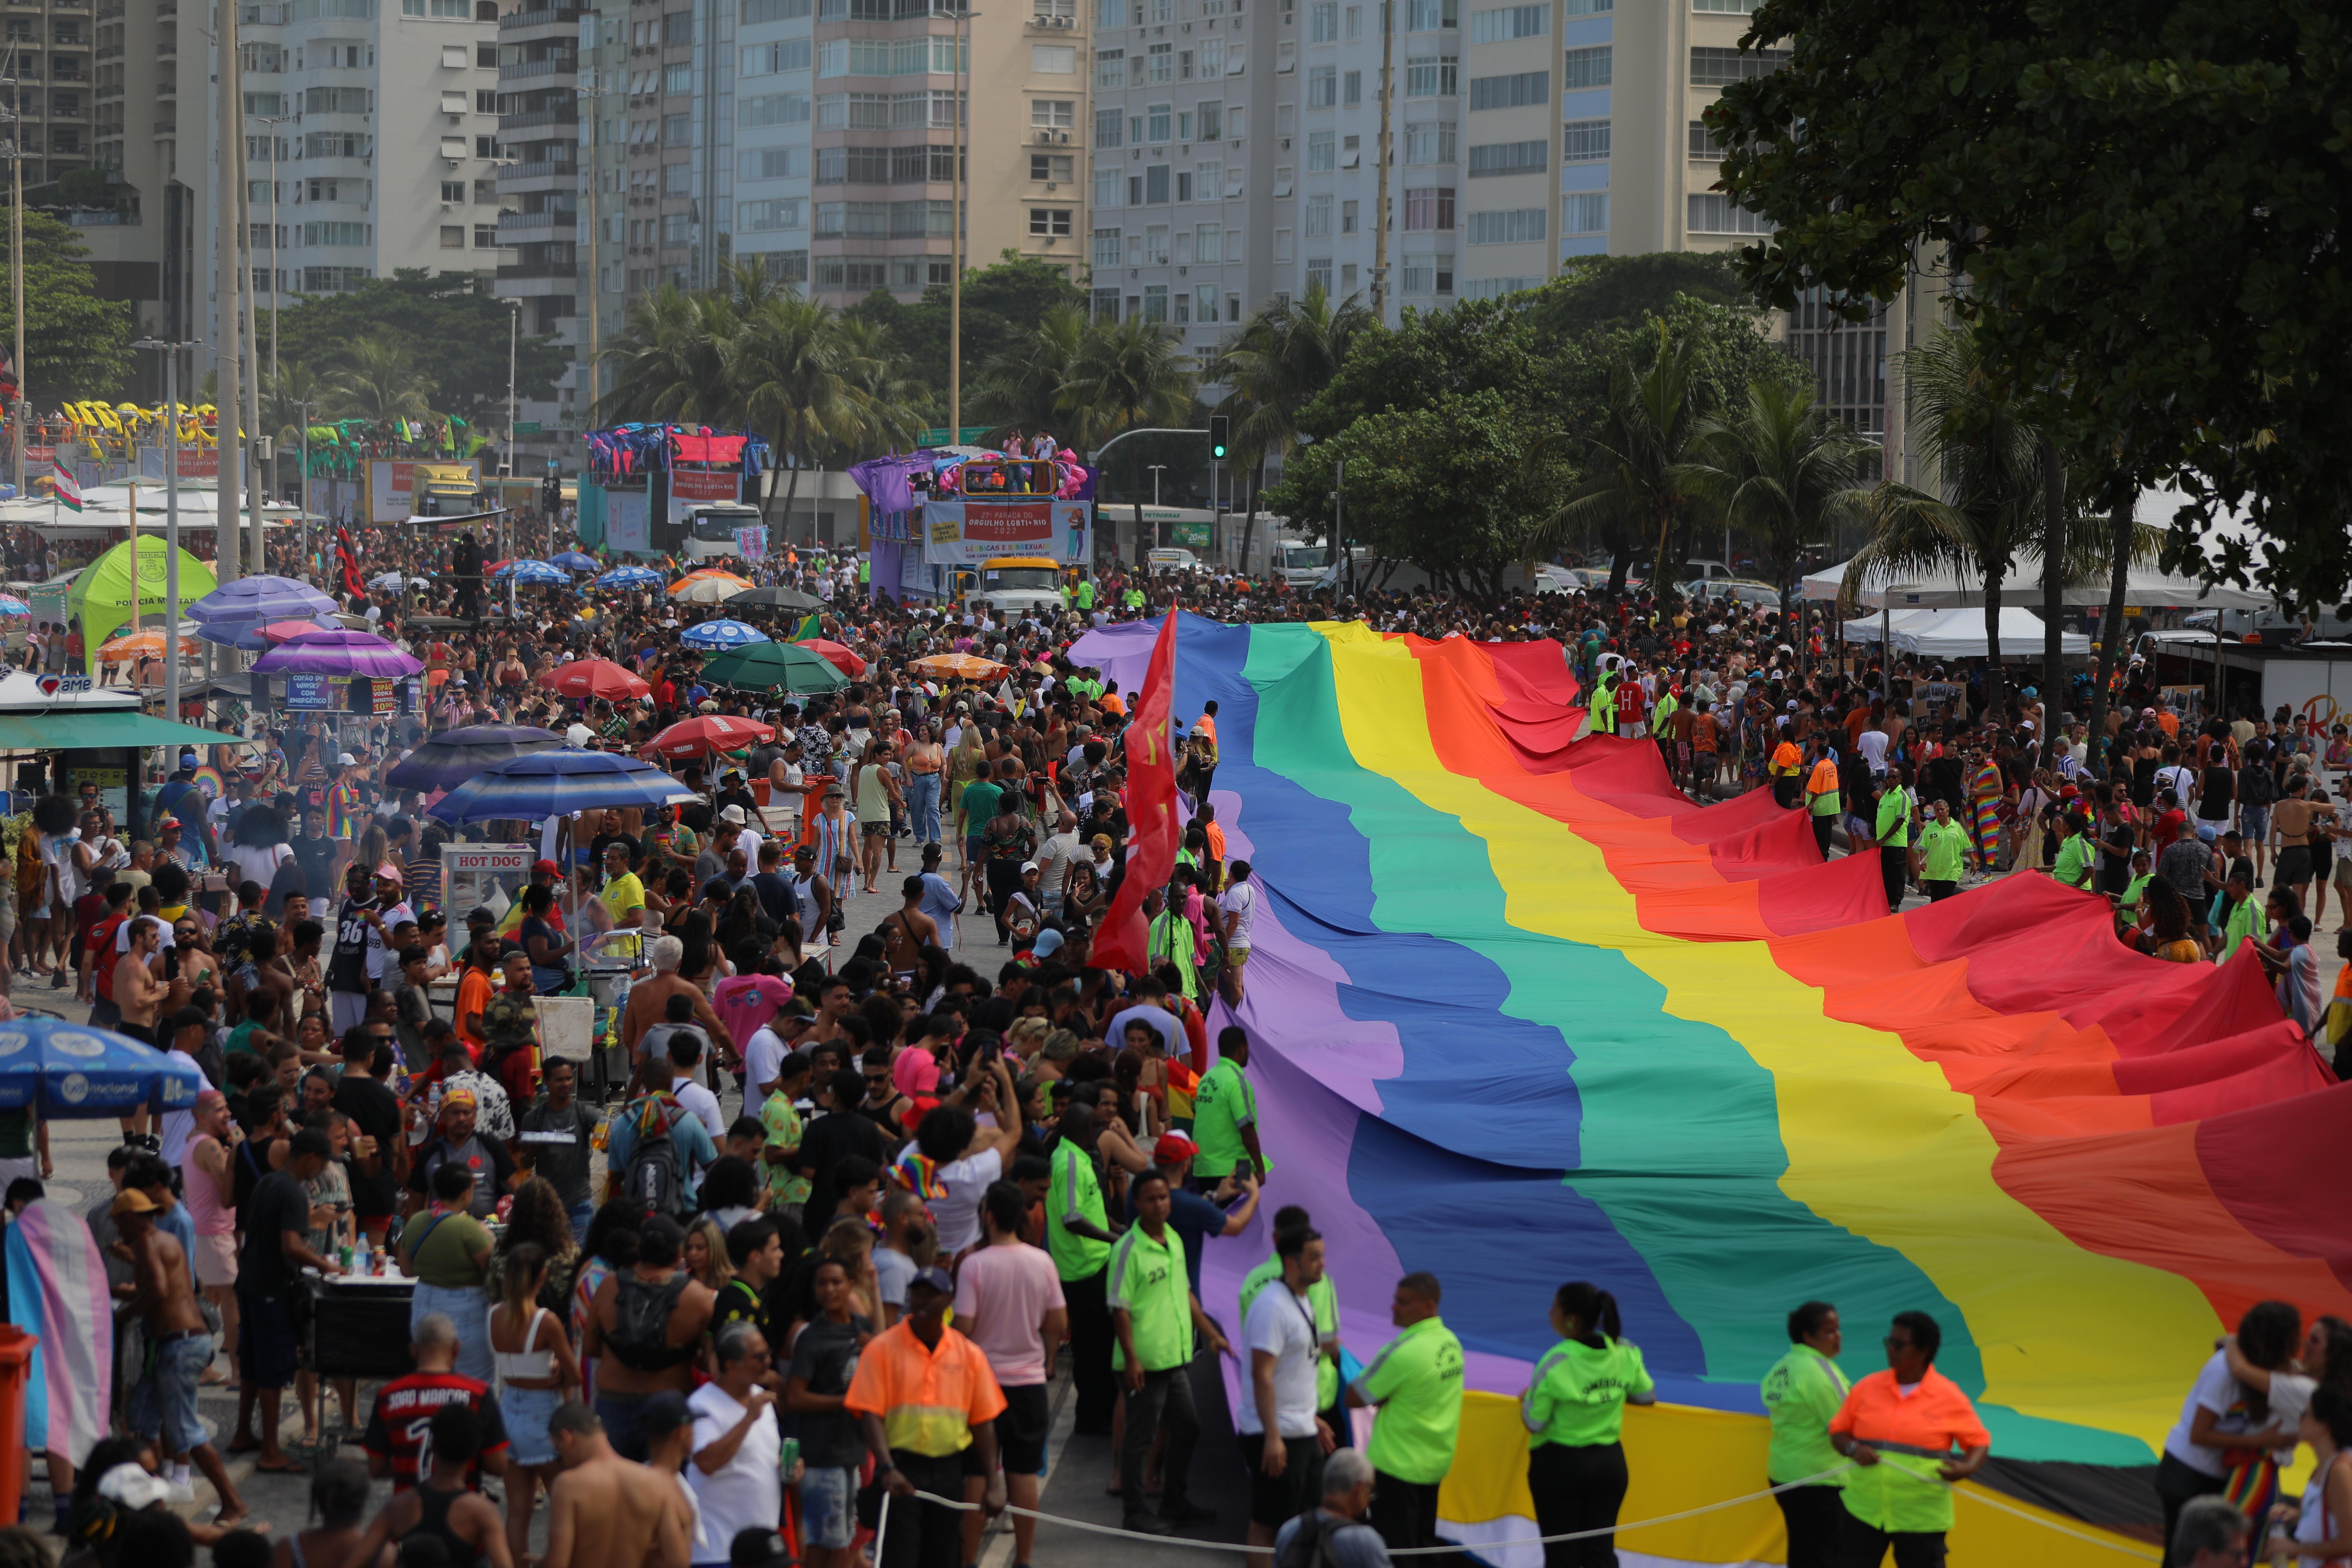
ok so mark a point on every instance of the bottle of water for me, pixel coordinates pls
(363, 1265)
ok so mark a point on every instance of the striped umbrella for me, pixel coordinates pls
(556, 783)
(720, 634)
(452, 757)
(11, 606)
(709, 587)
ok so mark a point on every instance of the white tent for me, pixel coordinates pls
(1867, 629)
(1959, 632)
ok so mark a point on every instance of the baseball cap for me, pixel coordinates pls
(550, 867)
(1049, 942)
(1027, 866)
(132, 1486)
(1173, 1148)
(387, 872)
(346, 759)
(481, 912)
(663, 1414)
(760, 1547)
(934, 1278)
(131, 1200)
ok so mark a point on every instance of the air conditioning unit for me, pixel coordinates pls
(1050, 185)
(1063, 136)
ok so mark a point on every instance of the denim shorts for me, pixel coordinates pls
(828, 1506)
(164, 1404)
(526, 1411)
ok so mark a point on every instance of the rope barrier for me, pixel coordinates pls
(960, 1506)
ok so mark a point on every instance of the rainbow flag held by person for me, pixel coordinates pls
(61, 484)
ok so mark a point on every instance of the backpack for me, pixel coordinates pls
(657, 1176)
(641, 1312)
(1311, 1546)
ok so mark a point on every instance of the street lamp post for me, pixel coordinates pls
(594, 93)
(514, 330)
(170, 353)
(16, 154)
(965, 17)
(1156, 470)
(272, 136)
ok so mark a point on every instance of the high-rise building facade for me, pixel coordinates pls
(540, 185)
(49, 52)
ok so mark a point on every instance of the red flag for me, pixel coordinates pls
(1124, 942)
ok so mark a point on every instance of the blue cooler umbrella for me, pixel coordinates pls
(65, 1070)
(556, 783)
(573, 561)
(721, 634)
(531, 573)
(630, 577)
(260, 599)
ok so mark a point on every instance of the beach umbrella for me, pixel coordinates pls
(630, 577)
(826, 649)
(256, 599)
(277, 632)
(573, 561)
(958, 667)
(141, 645)
(594, 677)
(720, 634)
(775, 666)
(338, 653)
(532, 573)
(452, 757)
(774, 598)
(556, 783)
(255, 636)
(65, 1070)
(709, 587)
(11, 606)
(712, 732)
(392, 581)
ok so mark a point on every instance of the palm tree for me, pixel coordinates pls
(883, 403)
(1277, 362)
(1128, 375)
(1786, 469)
(672, 356)
(1642, 476)
(784, 363)
(1990, 460)
(1020, 385)
(378, 382)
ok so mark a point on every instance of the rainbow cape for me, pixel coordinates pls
(1522, 1014)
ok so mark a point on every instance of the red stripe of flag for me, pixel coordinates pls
(1124, 942)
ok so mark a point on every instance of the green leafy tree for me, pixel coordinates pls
(2146, 205)
(1783, 469)
(77, 346)
(455, 330)
(1129, 374)
(1002, 304)
(1281, 357)
(1598, 293)
(1020, 386)
(671, 358)
(1477, 344)
(378, 381)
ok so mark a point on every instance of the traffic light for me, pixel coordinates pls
(1218, 427)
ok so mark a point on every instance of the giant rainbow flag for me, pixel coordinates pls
(1522, 1014)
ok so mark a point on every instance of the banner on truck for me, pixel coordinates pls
(965, 534)
(391, 486)
(691, 487)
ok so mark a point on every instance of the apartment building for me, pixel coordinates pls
(541, 193)
(49, 54)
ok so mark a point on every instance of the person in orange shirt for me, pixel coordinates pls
(1787, 768)
(1901, 1428)
(474, 991)
(923, 1394)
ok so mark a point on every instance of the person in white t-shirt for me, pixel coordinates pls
(1009, 1302)
(733, 1473)
(1283, 1440)
(966, 1157)
(2222, 1413)
(1236, 911)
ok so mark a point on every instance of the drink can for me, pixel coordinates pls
(788, 1456)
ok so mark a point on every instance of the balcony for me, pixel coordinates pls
(563, 66)
(517, 270)
(167, 128)
(538, 171)
(545, 16)
(563, 114)
(527, 227)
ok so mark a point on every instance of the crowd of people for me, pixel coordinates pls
(892, 1151)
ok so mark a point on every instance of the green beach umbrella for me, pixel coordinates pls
(772, 667)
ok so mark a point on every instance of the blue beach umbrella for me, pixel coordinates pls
(556, 783)
(531, 573)
(630, 577)
(573, 561)
(721, 634)
(63, 1071)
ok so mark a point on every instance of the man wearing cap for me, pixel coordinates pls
(277, 1222)
(923, 1394)
(180, 1347)
(1193, 1217)
(826, 831)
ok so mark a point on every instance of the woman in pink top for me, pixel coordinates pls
(208, 1180)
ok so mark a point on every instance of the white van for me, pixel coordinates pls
(1170, 559)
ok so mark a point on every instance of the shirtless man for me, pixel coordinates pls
(605, 1511)
(649, 1000)
(906, 931)
(137, 991)
(163, 1295)
(626, 1375)
(442, 1503)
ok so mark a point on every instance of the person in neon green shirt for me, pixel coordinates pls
(1893, 830)
(1416, 1381)
(2078, 855)
(1078, 1238)
(1802, 1393)
(1944, 850)
(2136, 891)
(1084, 593)
(1225, 1113)
(1573, 1409)
(2240, 916)
(1154, 1314)
(1322, 1293)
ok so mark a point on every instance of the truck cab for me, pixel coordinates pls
(1299, 563)
(708, 531)
(1016, 586)
(448, 489)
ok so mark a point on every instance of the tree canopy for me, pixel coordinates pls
(77, 346)
(455, 333)
(2146, 205)
(1003, 304)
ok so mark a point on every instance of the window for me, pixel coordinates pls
(1155, 186)
(1212, 122)
(1355, 22)
(678, 27)
(773, 163)
(1051, 60)
(1352, 152)
(1159, 63)
(1430, 76)
(1108, 125)
(1323, 22)
(674, 228)
(1704, 147)
(1427, 275)
(1429, 15)
(486, 100)
(1106, 304)
(1208, 242)
(677, 80)
(1506, 158)
(1155, 244)
(1204, 303)
(1589, 67)
(844, 276)
(1510, 22)
(1589, 7)
(768, 59)
(773, 109)
(1318, 217)
(1729, 8)
(1054, 168)
(1429, 141)
(677, 130)
(1352, 89)
(1321, 153)
(451, 189)
(1285, 58)
(1050, 222)
(1512, 227)
(1348, 216)
(1155, 301)
(1719, 68)
(1155, 120)
(758, 11)
(1318, 273)
(1209, 182)
(1109, 14)
(1509, 92)
(785, 213)
(346, 144)
(344, 101)
(1212, 59)
(1322, 86)
(1107, 248)
(1283, 182)
(1719, 215)
(334, 279)
(1428, 207)
(1584, 214)
(453, 235)
(1584, 141)
(1110, 69)
(1061, 113)
(345, 234)
(486, 236)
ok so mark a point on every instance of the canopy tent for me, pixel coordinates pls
(1959, 633)
(102, 595)
(1887, 588)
